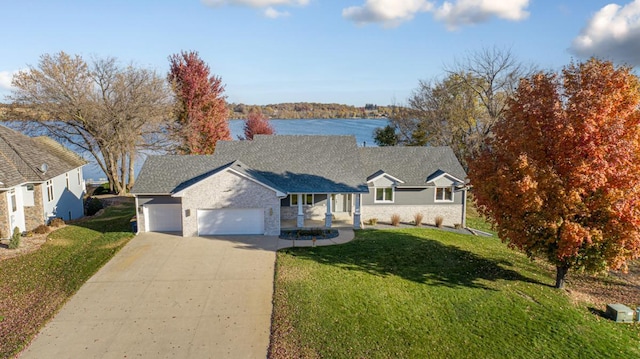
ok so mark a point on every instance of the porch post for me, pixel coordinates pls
(300, 222)
(357, 223)
(327, 217)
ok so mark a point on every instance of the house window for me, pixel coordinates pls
(307, 199)
(444, 194)
(66, 175)
(50, 190)
(384, 194)
(14, 204)
(79, 177)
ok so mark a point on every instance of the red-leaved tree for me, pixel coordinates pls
(256, 124)
(560, 178)
(201, 107)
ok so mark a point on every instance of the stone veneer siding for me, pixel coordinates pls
(34, 215)
(5, 232)
(315, 212)
(229, 190)
(452, 213)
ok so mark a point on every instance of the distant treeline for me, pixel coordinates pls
(298, 110)
(301, 110)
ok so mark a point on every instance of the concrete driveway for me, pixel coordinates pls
(164, 296)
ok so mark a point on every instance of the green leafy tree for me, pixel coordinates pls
(385, 136)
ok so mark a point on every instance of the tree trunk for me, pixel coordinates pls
(561, 273)
(131, 182)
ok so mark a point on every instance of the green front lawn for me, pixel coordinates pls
(422, 293)
(34, 286)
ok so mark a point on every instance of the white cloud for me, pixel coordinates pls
(272, 13)
(256, 3)
(5, 79)
(612, 33)
(389, 13)
(470, 12)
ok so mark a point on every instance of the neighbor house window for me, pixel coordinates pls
(444, 194)
(50, 190)
(307, 199)
(384, 194)
(67, 178)
(79, 177)
(14, 205)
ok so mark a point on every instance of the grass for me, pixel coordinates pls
(475, 220)
(422, 293)
(35, 285)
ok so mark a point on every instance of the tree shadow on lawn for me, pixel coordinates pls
(414, 258)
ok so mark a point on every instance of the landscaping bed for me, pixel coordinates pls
(308, 233)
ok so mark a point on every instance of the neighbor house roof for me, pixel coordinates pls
(22, 158)
(413, 165)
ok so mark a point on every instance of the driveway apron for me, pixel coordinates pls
(164, 296)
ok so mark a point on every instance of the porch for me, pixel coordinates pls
(327, 210)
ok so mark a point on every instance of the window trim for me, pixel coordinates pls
(50, 194)
(443, 200)
(304, 199)
(384, 200)
(13, 200)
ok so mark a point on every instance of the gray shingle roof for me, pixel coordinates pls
(164, 174)
(299, 164)
(21, 158)
(413, 165)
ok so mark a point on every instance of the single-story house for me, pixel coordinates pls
(259, 186)
(39, 180)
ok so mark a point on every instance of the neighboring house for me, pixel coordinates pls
(252, 187)
(39, 180)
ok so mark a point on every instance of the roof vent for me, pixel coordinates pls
(43, 168)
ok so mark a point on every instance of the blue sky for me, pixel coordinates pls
(352, 51)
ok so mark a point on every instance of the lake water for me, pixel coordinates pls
(361, 129)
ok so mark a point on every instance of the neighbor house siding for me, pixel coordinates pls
(67, 202)
(34, 215)
(5, 231)
(229, 190)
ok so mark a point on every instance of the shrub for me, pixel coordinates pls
(457, 226)
(373, 221)
(439, 220)
(92, 206)
(15, 239)
(56, 222)
(418, 219)
(41, 229)
(103, 189)
(395, 219)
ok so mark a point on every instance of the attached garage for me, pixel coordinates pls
(230, 221)
(163, 217)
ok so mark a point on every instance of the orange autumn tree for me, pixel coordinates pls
(256, 124)
(201, 108)
(560, 178)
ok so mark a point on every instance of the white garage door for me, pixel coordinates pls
(164, 217)
(230, 221)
